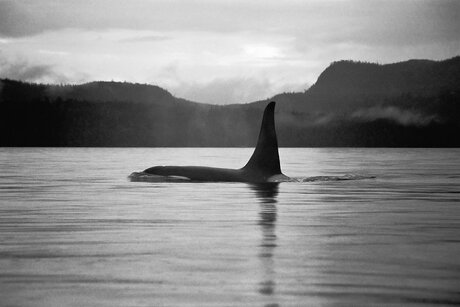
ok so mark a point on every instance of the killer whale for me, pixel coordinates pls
(263, 166)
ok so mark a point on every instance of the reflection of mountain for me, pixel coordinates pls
(413, 103)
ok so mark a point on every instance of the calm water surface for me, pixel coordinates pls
(74, 231)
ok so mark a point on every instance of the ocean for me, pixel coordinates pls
(362, 226)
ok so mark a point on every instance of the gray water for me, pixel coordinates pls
(74, 231)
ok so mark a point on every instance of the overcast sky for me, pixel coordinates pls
(217, 51)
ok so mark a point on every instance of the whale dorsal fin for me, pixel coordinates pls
(265, 158)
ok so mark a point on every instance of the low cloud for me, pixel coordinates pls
(234, 90)
(400, 116)
(25, 71)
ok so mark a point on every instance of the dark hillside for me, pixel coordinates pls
(101, 91)
(413, 103)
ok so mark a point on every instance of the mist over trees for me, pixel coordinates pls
(412, 103)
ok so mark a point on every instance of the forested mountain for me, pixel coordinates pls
(112, 92)
(412, 103)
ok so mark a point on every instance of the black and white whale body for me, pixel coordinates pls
(263, 166)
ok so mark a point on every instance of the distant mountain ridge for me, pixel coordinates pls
(400, 92)
(112, 91)
(411, 103)
(422, 77)
(353, 82)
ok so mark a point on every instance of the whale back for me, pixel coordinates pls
(265, 159)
